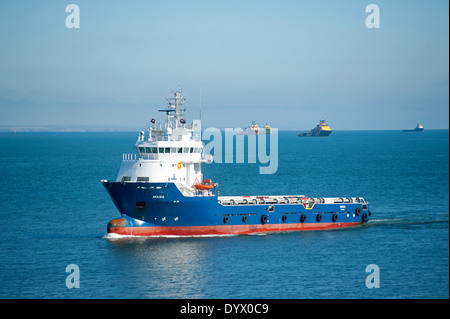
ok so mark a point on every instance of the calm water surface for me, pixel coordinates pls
(54, 211)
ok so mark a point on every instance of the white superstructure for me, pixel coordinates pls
(171, 152)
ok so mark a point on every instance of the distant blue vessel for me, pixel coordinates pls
(160, 191)
(419, 128)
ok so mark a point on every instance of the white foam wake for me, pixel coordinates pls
(113, 236)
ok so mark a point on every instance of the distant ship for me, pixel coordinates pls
(322, 129)
(254, 129)
(419, 128)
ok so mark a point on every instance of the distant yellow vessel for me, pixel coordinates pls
(322, 129)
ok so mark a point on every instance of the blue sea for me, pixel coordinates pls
(54, 212)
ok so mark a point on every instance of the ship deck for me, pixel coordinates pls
(286, 199)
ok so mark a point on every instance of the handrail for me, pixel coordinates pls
(286, 199)
(165, 138)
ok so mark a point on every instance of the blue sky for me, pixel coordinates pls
(287, 63)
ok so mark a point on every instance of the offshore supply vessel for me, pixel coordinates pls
(160, 191)
(254, 129)
(322, 129)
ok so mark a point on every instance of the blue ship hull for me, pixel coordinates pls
(155, 209)
(315, 133)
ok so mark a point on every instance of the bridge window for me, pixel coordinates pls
(191, 150)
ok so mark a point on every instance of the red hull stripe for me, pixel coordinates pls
(223, 229)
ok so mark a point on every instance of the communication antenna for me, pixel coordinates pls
(200, 106)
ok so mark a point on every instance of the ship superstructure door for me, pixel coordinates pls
(188, 173)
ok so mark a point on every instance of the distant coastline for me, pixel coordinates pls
(66, 128)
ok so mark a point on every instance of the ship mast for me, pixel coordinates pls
(175, 120)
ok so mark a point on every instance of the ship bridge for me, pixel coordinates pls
(169, 152)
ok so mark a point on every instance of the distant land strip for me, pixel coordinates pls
(66, 128)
